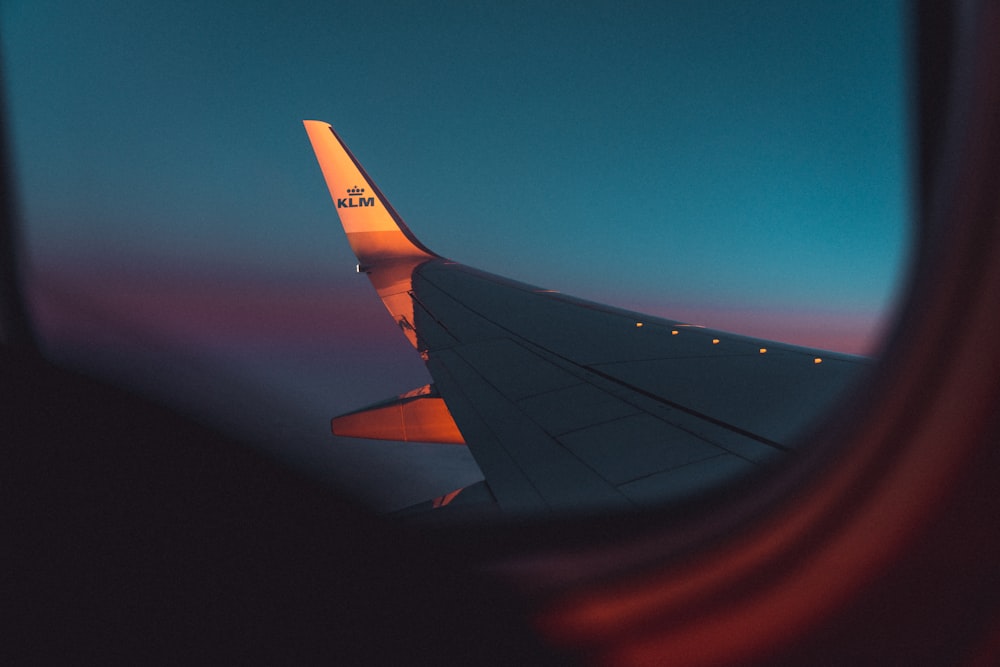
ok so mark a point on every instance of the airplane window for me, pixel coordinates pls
(747, 166)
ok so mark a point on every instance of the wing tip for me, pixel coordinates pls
(374, 229)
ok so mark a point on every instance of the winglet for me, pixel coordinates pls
(374, 229)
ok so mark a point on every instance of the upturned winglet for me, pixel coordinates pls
(374, 229)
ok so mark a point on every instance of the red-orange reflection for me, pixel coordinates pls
(417, 416)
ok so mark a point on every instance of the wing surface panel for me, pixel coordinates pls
(526, 468)
(574, 408)
(774, 395)
(680, 483)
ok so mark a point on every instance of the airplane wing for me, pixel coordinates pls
(564, 403)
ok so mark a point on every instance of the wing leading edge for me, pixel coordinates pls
(568, 404)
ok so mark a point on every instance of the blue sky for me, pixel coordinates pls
(739, 164)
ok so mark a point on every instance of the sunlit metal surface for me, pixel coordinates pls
(417, 416)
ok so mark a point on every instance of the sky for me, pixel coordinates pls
(738, 165)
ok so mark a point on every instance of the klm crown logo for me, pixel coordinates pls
(355, 199)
